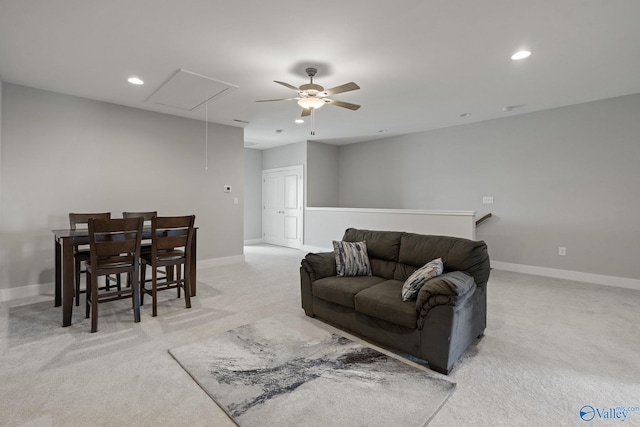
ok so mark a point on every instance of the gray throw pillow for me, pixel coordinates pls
(412, 285)
(352, 258)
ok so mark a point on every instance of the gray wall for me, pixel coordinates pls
(562, 177)
(252, 194)
(62, 154)
(286, 155)
(322, 174)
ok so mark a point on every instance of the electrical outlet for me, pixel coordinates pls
(562, 251)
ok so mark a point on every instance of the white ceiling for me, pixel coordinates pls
(420, 63)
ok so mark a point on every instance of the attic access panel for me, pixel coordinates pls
(187, 90)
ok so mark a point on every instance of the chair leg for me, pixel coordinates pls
(136, 295)
(178, 276)
(77, 279)
(154, 290)
(187, 287)
(88, 296)
(143, 279)
(94, 303)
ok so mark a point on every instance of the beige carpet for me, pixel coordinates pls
(551, 347)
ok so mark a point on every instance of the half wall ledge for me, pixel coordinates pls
(324, 224)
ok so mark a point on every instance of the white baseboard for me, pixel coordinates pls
(599, 279)
(620, 282)
(48, 288)
(309, 248)
(215, 262)
(253, 242)
(26, 291)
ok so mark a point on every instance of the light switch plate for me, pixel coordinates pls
(487, 200)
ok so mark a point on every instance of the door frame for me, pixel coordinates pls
(299, 171)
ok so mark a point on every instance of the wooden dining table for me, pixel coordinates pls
(65, 240)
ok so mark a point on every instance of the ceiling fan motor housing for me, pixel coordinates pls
(311, 88)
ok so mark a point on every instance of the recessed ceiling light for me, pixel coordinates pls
(520, 55)
(299, 121)
(135, 81)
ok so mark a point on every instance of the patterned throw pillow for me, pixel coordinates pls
(413, 284)
(352, 258)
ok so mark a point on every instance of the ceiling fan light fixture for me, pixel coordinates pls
(311, 102)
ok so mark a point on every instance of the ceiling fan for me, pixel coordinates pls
(312, 96)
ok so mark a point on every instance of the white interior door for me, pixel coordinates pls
(282, 216)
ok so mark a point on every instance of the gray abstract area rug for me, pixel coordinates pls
(286, 371)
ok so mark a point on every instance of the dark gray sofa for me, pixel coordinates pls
(447, 316)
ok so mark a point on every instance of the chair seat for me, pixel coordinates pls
(164, 256)
(114, 262)
(82, 254)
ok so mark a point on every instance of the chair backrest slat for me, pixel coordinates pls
(172, 232)
(170, 242)
(112, 237)
(112, 248)
(146, 216)
(76, 219)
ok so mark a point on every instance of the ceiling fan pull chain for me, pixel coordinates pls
(206, 135)
(313, 122)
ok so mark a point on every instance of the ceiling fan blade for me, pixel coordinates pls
(306, 112)
(342, 88)
(281, 99)
(287, 85)
(343, 104)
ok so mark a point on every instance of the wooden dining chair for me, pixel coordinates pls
(81, 252)
(114, 246)
(171, 239)
(146, 217)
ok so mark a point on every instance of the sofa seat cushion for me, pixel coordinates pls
(342, 290)
(384, 301)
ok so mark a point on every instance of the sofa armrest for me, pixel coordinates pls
(447, 289)
(319, 265)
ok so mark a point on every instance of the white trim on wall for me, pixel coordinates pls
(599, 279)
(18, 292)
(216, 262)
(9, 294)
(577, 276)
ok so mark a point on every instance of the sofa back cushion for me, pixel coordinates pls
(383, 248)
(457, 255)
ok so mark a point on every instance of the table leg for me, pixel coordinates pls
(192, 266)
(58, 275)
(67, 281)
